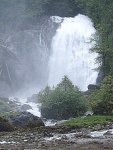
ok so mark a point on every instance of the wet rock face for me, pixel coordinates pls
(25, 119)
(100, 78)
(25, 107)
(24, 56)
(92, 87)
(13, 105)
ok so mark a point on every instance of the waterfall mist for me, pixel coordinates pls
(32, 58)
(71, 54)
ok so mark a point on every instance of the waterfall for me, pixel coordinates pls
(71, 54)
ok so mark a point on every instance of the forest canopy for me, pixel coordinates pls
(17, 13)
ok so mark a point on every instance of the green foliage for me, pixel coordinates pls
(89, 121)
(102, 100)
(5, 125)
(9, 114)
(32, 124)
(61, 8)
(4, 107)
(101, 12)
(43, 94)
(63, 105)
(63, 102)
(65, 84)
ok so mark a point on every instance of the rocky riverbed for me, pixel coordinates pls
(57, 138)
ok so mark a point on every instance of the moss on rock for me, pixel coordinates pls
(5, 125)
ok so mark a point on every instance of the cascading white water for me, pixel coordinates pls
(70, 52)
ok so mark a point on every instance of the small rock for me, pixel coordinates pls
(108, 133)
(98, 127)
(64, 137)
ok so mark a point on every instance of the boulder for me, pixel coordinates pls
(92, 87)
(108, 133)
(89, 113)
(25, 107)
(100, 78)
(25, 119)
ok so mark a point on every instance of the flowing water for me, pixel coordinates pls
(71, 54)
(35, 107)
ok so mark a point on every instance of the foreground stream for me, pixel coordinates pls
(57, 138)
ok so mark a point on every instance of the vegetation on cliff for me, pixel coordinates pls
(4, 107)
(5, 125)
(101, 12)
(16, 15)
(65, 100)
(102, 100)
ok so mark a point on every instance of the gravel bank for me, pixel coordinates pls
(55, 138)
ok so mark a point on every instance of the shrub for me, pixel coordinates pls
(5, 125)
(102, 100)
(33, 124)
(63, 102)
(4, 107)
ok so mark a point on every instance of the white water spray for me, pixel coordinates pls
(70, 53)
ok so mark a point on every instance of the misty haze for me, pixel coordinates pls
(55, 65)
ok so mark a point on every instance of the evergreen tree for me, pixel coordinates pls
(102, 100)
(43, 94)
(65, 84)
(101, 12)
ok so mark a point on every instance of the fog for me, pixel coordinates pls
(26, 48)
